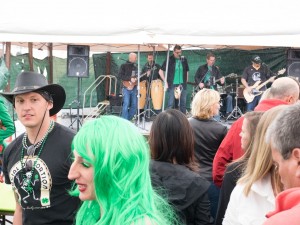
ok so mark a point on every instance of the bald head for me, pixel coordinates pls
(286, 89)
(132, 57)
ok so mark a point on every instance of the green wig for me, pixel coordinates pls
(120, 157)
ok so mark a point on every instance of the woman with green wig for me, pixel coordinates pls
(111, 173)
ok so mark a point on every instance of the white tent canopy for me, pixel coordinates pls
(115, 24)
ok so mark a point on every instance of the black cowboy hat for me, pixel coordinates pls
(33, 82)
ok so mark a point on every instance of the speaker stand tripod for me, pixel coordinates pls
(236, 112)
(77, 102)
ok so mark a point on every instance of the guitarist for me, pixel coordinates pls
(128, 74)
(208, 73)
(253, 73)
(206, 76)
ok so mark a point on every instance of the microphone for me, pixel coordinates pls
(181, 58)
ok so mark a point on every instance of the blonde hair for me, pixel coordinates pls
(260, 162)
(203, 102)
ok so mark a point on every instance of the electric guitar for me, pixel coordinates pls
(249, 96)
(212, 81)
(130, 85)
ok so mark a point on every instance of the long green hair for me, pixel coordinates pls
(120, 157)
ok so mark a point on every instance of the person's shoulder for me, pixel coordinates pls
(65, 130)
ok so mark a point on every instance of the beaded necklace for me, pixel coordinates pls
(27, 180)
(31, 149)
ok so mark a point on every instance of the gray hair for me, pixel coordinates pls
(284, 132)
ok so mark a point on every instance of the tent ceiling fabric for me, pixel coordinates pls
(118, 24)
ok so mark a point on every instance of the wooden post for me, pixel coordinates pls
(50, 58)
(7, 62)
(30, 56)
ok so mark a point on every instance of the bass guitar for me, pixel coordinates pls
(130, 85)
(249, 96)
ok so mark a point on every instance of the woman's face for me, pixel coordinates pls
(83, 174)
(245, 135)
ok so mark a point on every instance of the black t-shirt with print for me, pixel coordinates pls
(251, 75)
(49, 201)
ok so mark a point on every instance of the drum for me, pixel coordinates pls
(143, 93)
(157, 94)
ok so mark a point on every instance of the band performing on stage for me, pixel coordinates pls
(145, 97)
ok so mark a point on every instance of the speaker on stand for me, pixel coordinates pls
(77, 66)
(293, 63)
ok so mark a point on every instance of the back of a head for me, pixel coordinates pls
(203, 102)
(260, 161)
(171, 138)
(284, 87)
(284, 132)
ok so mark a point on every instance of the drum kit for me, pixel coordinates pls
(233, 88)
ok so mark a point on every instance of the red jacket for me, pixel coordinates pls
(230, 148)
(287, 208)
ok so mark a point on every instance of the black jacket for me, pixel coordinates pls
(184, 189)
(171, 70)
(208, 136)
(200, 73)
(232, 174)
(127, 70)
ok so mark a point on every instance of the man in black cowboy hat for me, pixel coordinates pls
(37, 162)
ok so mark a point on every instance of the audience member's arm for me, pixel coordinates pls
(18, 215)
(227, 151)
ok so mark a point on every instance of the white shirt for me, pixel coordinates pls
(250, 210)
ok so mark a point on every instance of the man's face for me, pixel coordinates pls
(30, 108)
(150, 59)
(177, 53)
(288, 169)
(211, 61)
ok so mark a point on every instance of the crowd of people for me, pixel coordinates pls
(189, 171)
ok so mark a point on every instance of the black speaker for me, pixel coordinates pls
(293, 63)
(78, 61)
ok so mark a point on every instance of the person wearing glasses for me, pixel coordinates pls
(37, 162)
(176, 79)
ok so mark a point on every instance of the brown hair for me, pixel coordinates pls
(172, 139)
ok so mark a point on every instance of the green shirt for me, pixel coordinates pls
(178, 76)
(7, 123)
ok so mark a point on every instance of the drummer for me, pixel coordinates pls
(151, 68)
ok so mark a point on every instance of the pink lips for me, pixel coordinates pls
(81, 187)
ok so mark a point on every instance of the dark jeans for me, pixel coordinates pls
(129, 103)
(182, 102)
(253, 104)
(213, 194)
(229, 105)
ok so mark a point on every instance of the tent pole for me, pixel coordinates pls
(138, 86)
(166, 76)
